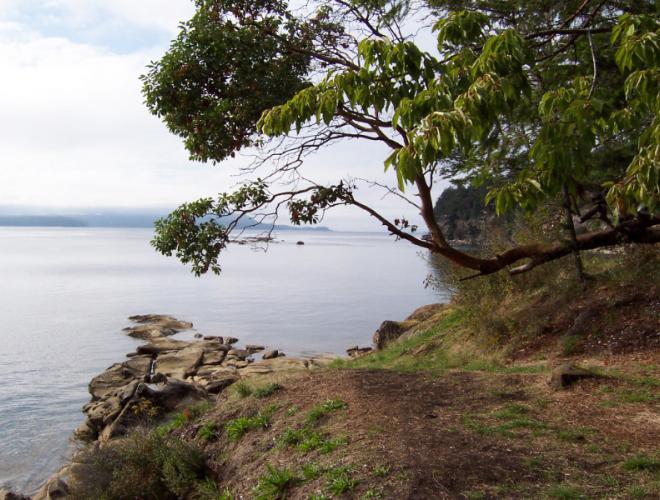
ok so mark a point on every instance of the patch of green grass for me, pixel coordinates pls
(210, 490)
(474, 495)
(311, 471)
(505, 429)
(238, 427)
(292, 410)
(372, 493)
(638, 396)
(307, 439)
(268, 390)
(638, 491)
(340, 480)
(381, 470)
(510, 411)
(642, 463)
(319, 411)
(566, 492)
(275, 483)
(208, 432)
(243, 389)
(574, 435)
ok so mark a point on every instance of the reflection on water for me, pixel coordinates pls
(66, 294)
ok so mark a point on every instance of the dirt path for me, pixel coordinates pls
(459, 435)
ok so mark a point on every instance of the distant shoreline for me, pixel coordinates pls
(112, 221)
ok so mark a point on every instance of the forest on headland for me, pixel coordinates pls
(541, 377)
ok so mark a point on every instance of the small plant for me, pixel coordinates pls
(243, 389)
(340, 480)
(264, 392)
(210, 490)
(238, 427)
(512, 411)
(319, 411)
(372, 493)
(208, 432)
(565, 492)
(381, 470)
(292, 437)
(275, 483)
(311, 471)
(145, 409)
(642, 463)
(292, 410)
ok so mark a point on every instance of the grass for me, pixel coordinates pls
(190, 414)
(275, 483)
(311, 471)
(381, 470)
(565, 492)
(320, 411)
(240, 426)
(307, 439)
(208, 432)
(340, 480)
(268, 390)
(243, 389)
(642, 463)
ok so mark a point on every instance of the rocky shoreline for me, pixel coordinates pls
(162, 377)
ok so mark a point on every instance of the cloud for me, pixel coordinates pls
(74, 130)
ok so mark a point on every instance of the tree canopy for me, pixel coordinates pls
(538, 100)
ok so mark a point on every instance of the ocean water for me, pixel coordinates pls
(65, 295)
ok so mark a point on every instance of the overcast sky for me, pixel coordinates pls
(75, 133)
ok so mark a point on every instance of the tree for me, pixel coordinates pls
(537, 99)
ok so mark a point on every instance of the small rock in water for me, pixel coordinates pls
(300, 243)
(254, 348)
(270, 354)
(198, 335)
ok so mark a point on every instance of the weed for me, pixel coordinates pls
(318, 496)
(311, 471)
(512, 411)
(292, 410)
(275, 483)
(208, 432)
(264, 392)
(571, 344)
(243, 389)
(210, 490)
(565, 492)
(381, 470)
(642, 463)
(238, 427)
(638, 491)
(340, 480)
(319, 411)
(574, 435)
(372, 493)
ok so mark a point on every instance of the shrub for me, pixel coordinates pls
(146, 465)
(264, 392)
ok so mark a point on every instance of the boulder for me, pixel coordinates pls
(239, 353)
(230, 340)
(180, 364)
(158, 346)
(218, 385)
(388, 332)
(153, 326)
(118, 376)
(270, 354)
(567, 374)
(173, 395)
(213, 357)
(213, 337)
(425, 312)
(54, 488)
(251, 348)
(356, 352)
(10, 495)
(275, 365)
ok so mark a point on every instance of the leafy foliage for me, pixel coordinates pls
(536, 100)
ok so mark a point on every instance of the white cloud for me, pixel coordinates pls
(75, 132)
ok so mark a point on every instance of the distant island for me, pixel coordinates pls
(116, 220)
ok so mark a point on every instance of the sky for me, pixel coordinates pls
(74, 132)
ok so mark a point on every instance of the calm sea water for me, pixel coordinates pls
(65, 295)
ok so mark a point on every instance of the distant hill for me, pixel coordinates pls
(114, 219)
